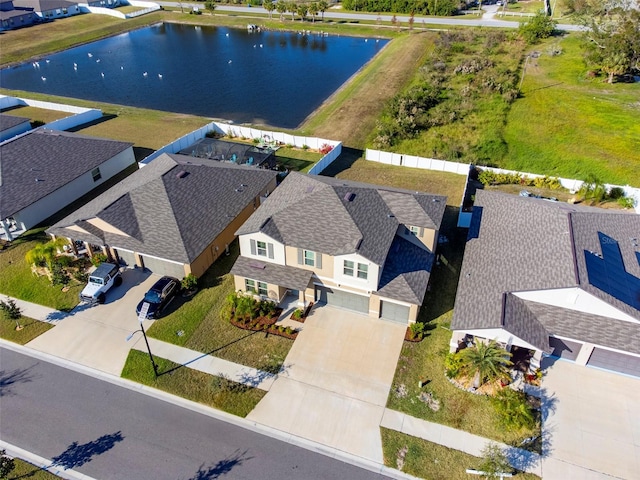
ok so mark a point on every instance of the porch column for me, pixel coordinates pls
(87, 245)
(6, 227)
(456, 338)
(534, 362)
(73, 246)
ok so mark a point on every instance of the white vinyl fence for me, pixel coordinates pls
(248, 132)
(79, 115)
(464, 218)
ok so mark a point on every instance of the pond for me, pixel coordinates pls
(276, 78)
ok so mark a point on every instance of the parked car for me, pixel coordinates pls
(159, 296)
(104, 277)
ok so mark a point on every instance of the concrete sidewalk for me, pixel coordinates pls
(38, 312)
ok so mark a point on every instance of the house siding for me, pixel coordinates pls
(60, 198)
(291, 257)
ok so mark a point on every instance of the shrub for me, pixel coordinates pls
(616, 193)
(189, 283)
(417, 330)
(626, 202)
(305, 147)
(452, 365)
(514, 410)
(98, 258)
(59, 276)
(297, 314)
(81, 276)
(256, 140)
(325, 148)
(538, 27)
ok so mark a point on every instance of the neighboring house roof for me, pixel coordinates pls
(7, 14)
(283, 275)
(44, 5)
(10, 121)
(41, 161)
(339, 217)
(173, 208)
(519, 244)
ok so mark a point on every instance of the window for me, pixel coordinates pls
(250, 286)
(262, 248)
(95, 173)
(414, 230)
(309, 258)
(348, 268)
(362, 271)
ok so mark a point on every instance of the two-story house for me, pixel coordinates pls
(357, 246)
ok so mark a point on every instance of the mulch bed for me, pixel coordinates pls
(264, 324)
(305, 314)
(408, 337)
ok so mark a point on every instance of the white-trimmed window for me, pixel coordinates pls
(363, 271)
(310, 258)
(414, 230)
(95, 173)
(348, 268)
(262, 248)
(254, 286)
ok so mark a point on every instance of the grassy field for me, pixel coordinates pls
(36, 114)
(569, 125)
(26, 470)
(297, 159)
(17, 280)
(31, 329)
(429, 460)
(210, 390)
(199, 324)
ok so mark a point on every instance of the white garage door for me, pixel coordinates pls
(564, 349)
(126, 258)
(161, 267)
(340, 298)
(395, 312)
(616, 361)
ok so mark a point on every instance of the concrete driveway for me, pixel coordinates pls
(95, 336)
(592, 425)
(336, 382)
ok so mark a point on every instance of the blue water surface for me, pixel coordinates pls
(270, 77)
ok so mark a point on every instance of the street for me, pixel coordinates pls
(110, 432)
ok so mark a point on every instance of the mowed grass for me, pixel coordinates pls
(429, 460)
(199, 323)
(30, 329)
(26, 470)
(17, 280)
(297, 159)
(185, 382)
(571, 126)
(37, 114)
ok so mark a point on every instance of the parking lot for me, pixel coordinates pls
(95, 336)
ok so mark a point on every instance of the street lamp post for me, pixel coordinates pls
(143, 314)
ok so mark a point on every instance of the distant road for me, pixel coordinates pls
(110, 432)
(372, 17)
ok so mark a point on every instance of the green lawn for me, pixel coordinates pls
(429, 460)
(30, 329)
(569, 125)
(37, 114)
(26, 470)
(17, 280)
(199, 324)
(297, 159)
(191, 384)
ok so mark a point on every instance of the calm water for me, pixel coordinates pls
(277, 78)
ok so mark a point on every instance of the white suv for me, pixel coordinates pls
(102, 279)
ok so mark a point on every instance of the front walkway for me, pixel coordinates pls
(335, 383)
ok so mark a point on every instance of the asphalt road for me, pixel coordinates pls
(371, 17)
(110, 432)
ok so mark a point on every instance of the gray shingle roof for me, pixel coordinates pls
(41, 161)
(44, 5)
(523, 244)
(167, 216)
(311, 212)
(10, 121)
(406, 273)
(285, 276)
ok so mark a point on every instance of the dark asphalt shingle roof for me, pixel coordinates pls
(283, 275)
(309, 211)
(523, 244)
(10, 121)
(167, 216)
(44, 5)
(36, 164)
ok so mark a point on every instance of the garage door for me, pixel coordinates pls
(616, 361)
(564, 348)
(126, 258)
(161, 267)
(393, 311)
(340, 298)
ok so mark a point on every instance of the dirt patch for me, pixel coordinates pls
(351, 119)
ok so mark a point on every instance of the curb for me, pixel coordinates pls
(307, 444)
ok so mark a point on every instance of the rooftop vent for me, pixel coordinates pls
(39, 180)
(257, 265)
(349, 197)
(239, 190)
(182, 174)
(390, 215)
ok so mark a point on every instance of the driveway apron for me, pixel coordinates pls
(591, 423)
(95, 336)
(335, 383)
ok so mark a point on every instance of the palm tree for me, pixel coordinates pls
(322, 7)
(281, 7)
(269, 6)
(485, 361)
(292, 8)
(45, 252)
(302, 11)
(313, 10)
